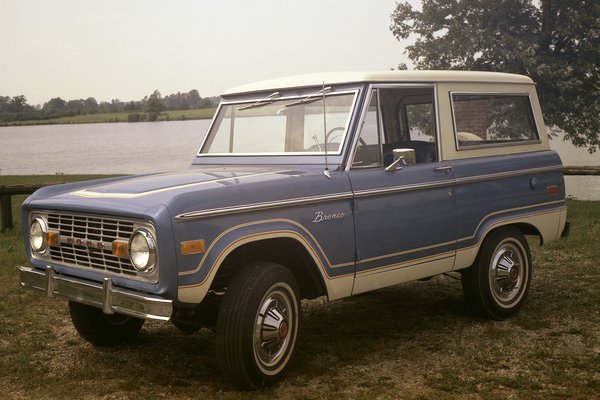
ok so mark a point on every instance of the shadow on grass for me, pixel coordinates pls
(385, 323)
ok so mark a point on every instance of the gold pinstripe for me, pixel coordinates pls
(405, 264)
(293, 234)
(276, 220)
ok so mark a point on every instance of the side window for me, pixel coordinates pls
(420, 122)
(492, 119)
(397, 118)
(368, 150)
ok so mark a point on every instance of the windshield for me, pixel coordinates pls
(298, 125)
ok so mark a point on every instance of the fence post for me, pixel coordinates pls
(6, 211)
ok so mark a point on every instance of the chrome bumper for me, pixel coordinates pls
(105, 296)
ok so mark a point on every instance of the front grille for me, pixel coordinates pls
(86, 241)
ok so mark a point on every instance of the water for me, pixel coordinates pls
(112, 148)
(131, 148)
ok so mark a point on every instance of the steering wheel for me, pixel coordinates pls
(337, 128)
(328, 139)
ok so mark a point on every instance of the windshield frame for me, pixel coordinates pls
(257, 99)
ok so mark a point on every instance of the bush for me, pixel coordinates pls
(134, 117)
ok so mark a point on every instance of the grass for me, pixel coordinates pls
(413, 341)
(203, 113)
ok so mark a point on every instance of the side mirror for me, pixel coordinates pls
(401, 156)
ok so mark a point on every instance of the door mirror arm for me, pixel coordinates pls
(401, 156)
(396, 164)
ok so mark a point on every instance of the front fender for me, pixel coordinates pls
(194, 284)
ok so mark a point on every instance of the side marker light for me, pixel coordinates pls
(193, 247)
(552, 190)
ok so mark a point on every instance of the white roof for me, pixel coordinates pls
(331, 78)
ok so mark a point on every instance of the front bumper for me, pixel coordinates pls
(105, 296)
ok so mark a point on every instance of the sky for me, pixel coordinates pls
(115, 49)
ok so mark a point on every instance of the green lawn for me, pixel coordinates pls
(412, 341)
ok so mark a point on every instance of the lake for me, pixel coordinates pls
(131, 148)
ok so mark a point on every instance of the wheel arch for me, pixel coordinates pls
(528, 229)
(256, 241)
(466, 256)
(285, 250)
(523, 227)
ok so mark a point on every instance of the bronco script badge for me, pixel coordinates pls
(320, 216)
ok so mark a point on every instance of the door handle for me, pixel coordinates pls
(446, 168)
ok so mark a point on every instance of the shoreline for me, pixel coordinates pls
(116, 117)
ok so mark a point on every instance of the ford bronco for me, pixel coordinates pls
(316, 185)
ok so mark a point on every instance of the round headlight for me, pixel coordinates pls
(37, 235)
(142, 250)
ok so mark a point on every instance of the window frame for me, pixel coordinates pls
(365, 109)
(457, 145)
(297, 96)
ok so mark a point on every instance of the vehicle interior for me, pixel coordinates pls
(397, 118)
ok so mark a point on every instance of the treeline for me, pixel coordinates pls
(17, 109)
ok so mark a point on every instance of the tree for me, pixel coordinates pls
(76, 107)
(18, 104)
(154, 105)
(91, 105)
(55, 107)
(4, 100)
(194, 98)
(555, 42)
(130, 106)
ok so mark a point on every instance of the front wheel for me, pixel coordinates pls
(258, 324)
(103, 329)
(498, 282)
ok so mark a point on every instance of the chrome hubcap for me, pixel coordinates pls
(508, 273)
(273, 328)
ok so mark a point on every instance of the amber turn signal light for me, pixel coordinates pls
(53, 238)
(119, 248)
(193, 247)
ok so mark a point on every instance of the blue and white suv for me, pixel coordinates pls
(320, 185)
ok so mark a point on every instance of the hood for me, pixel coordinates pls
(201, 188)
(159, 185)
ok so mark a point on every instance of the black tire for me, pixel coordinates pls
(103, 329)
(257, 325)
(497, 284)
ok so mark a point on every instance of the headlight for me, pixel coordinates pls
(142, 250)
(37, 235)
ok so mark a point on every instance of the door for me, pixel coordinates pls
(405, 219)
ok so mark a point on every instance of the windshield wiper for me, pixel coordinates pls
(262, 102)
(310, 98)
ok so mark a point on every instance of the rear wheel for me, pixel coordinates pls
(258, 324)
(498, 283)
(103, 329)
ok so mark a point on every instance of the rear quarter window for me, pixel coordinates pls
(484, 120)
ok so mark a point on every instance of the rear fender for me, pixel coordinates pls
(547, 223)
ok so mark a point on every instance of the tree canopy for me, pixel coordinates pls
(555, 42)
(17, 108)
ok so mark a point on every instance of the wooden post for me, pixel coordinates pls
(6, 193)
(583, 170)
(6, 211)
